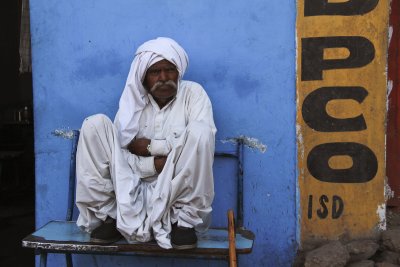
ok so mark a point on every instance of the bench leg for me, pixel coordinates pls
(43, 259)
(232, 240)
(68, 259)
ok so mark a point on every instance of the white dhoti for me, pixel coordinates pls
(107, 186)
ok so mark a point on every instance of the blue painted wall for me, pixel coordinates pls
(242, 52)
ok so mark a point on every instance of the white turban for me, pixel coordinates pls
(134, 97)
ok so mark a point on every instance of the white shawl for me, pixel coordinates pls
(134, 97)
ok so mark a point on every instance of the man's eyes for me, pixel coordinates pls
(158, 71)
(170, 70)
(154, 71)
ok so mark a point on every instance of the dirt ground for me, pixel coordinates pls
(392, 218)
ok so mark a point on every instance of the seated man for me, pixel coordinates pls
(149, 174)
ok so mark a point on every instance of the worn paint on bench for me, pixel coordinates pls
(66, 236)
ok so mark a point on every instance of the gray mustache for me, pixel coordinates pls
(158, 84)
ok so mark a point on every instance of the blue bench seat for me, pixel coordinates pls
(66, 237)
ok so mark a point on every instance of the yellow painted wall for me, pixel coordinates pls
(362, 201)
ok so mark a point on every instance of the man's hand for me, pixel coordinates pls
(139, 147)
(159, 163)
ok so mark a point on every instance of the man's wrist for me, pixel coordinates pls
(146, 166)
(159, 147)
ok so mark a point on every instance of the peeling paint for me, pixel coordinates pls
(381, 212)
(390, 33)
(388, 91)
(389, 87)
(300, 141)
(389, 193)
(64, 133)
(250, 142)
(300, 147)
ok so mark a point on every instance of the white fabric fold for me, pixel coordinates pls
(107, 185)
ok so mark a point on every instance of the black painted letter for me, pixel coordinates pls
(362, 52)
(365, 163)
(348, 8)
(315, 115)
(337, 207)
(323, 213)
(310, 211)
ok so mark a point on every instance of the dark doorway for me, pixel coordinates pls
(17, 181)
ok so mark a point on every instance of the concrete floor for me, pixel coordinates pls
(17, 220)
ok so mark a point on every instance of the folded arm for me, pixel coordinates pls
(146, 163)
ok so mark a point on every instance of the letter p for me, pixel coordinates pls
(361, 50)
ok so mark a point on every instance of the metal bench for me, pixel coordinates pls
(66, 238)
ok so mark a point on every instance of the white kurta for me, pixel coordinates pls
(113, 182)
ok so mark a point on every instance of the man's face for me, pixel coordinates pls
(161, 80)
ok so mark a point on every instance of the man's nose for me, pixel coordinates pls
(162, 76)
